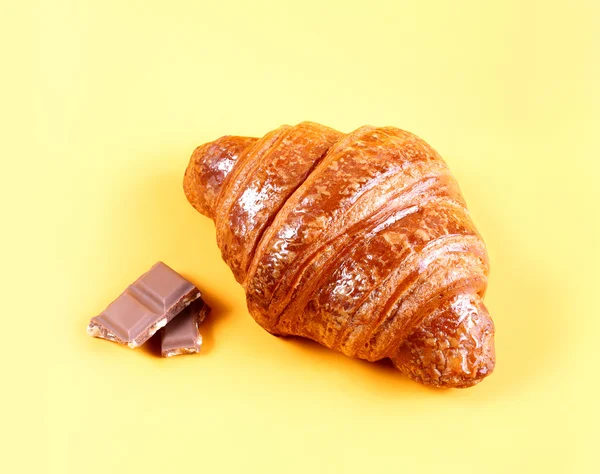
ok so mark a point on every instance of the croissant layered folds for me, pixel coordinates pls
(360, 241)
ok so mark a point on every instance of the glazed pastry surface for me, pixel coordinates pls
(360, 241)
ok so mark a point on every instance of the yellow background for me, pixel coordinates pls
(102, 104)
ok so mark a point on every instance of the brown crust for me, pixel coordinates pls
(209, 165)
(453, 347)
(361, 242)
(258, 194)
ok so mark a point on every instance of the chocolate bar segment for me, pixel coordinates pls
(144, 307)
(181, 336)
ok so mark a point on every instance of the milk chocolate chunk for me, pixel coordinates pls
(182, 336)
(144, 307)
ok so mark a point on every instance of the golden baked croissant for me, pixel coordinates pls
(360, 241)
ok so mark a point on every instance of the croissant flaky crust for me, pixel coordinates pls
(360, 241)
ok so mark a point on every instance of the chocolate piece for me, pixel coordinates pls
(181, 336)
(144, 307)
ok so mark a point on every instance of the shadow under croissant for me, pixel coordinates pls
(527, 323)
(360, 372)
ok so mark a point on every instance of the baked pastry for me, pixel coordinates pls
(360, 241)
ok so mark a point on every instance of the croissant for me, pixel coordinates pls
(360, 241)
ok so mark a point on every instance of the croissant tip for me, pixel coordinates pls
(453, 348)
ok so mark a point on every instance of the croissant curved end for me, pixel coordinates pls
(208, 168)
(452, 348)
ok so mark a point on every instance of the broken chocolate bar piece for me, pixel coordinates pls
(182, 336)
(144, 307)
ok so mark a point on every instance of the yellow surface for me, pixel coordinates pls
(102, 104)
